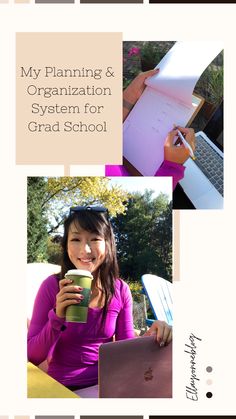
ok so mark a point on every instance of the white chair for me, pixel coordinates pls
(159, 293)
(36, 273)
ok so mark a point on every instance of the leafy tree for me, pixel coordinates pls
(164, 240)
(54, 249)
(36, 220)
(143, 236)
(65, 192)
(49, 200)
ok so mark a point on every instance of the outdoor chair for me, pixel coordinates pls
(159, 294)
(36, 273)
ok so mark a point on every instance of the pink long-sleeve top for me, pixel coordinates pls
(175, 170)
(72, 348)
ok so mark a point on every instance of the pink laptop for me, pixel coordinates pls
(135, 368)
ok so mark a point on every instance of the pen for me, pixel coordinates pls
(185, 143)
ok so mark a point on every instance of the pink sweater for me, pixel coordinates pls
(73, 347)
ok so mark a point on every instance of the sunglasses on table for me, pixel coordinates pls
(89, 208)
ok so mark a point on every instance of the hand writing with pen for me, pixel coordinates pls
(178, 151)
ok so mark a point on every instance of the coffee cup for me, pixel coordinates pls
(79, 312)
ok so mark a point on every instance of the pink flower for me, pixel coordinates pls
(134, 51)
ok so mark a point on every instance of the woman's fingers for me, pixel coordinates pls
(162, 332)
(189, 136)
(174, 148)
(70, 288)
(169, 337)
(132, 93)
(167, 334)
(66, 285)
(69, 292)
(64, 282)
(148, 73)
(69, 296)
(169, 142)
(185, 130)
(64, 305)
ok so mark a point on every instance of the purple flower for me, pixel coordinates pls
(133, 51)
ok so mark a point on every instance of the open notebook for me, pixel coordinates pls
(167, 100)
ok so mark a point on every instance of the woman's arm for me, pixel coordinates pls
(124, 323)
(133, 92)
(45, 326)
(175, 154)
(175, 170)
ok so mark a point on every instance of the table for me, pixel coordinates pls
(41, 385)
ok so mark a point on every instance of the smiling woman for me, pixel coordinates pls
(88, 244)
(86, 250)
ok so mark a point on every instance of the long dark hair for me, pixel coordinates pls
(94, 222)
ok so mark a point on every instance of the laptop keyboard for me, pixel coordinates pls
(209, 162)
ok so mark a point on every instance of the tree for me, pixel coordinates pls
(36, 220)
(65, 192)
(143, 237)
(49, 200)
(164, 239)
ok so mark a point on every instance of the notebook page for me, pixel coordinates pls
(182, 66)
(147, 126)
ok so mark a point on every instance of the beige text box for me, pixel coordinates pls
(68, 96)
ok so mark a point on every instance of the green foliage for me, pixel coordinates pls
(135, 287)
(65, 192)
(150, 55)
(144, 237)
(53, 251)
(164, 240)
(36, 220)
(49, 200)
(216, 86)
(211, 83)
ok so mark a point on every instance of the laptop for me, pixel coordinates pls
(133, 368)
(203, 178)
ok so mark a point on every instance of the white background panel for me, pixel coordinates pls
(204, 298)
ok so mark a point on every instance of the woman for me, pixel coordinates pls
(72, 348)
(175, 154)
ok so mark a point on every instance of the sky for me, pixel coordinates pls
(137, 183)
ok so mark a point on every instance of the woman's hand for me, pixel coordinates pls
(177, 152)
(133, 92)
(68, 294)
(162, 331)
